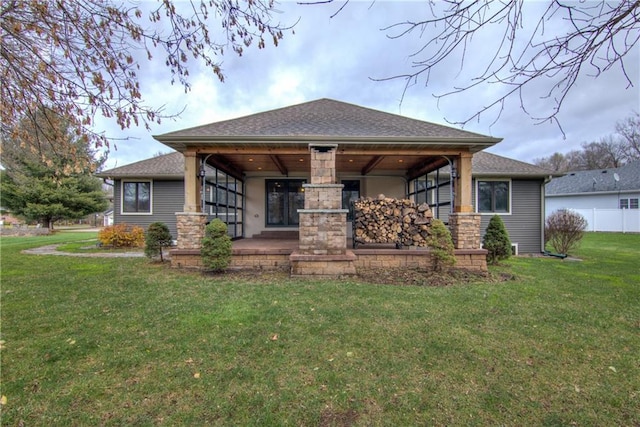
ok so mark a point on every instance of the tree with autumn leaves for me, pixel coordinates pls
(81, 58)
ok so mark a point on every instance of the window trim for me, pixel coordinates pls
(136, 181)
(509, 182)
(629, 203)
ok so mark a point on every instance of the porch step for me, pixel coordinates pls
(278, 235)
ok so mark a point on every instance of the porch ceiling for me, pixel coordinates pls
(358, 160)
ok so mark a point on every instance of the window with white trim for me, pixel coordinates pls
(136, 197)
(493, 196)
(629, 203)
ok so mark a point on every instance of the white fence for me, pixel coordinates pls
(616, 220)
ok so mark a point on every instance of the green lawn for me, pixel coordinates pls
(101, 341)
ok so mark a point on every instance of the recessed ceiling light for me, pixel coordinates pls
(250, 159)
(400, 160)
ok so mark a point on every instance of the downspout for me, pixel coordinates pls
(543, 212)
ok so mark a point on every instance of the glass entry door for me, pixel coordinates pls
(284, 197)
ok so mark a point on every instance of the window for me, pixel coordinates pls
(350, 193)
(424, 191)
(284, 198)
(493, 196)
(136, 197)
(223, 199)
(628, 203)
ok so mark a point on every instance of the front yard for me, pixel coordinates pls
(112, 341)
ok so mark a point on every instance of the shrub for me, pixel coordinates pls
(441, 245)
(216, 246)
(496, 241)
(564, 229)
(122, 236)
(156, 238)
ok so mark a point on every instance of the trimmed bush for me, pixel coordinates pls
(441, 244)
(157, 237)
(216, 246)
(122, 236)
(496, 241)
(564, 229)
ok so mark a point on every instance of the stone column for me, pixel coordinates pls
(322, 247)
(190, 226)
(323, 222)
(465, 230)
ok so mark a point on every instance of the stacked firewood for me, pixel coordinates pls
(387, 220)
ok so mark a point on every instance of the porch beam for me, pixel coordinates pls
(227, 166)
(399, 151)
(342, 150)
(426, 167)
(372, 164)
(279, 164)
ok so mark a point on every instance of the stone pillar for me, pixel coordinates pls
(323, 225)
(190, 227)
(465, 230)
(322, 247)
(323, 222)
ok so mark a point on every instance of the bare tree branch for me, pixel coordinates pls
(567, 40)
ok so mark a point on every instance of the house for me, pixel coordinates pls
(296, 169)
(607, 198)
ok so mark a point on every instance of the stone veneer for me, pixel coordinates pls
(331, 266)
(465, 230)
(190, 226)
(322, 248)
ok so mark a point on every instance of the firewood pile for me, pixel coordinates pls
(387, 220)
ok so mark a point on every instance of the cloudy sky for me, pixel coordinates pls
(341, 57)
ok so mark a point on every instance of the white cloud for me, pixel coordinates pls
(337, 57)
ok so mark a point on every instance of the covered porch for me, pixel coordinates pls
(321, 145)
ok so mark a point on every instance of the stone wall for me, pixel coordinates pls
(331, 266)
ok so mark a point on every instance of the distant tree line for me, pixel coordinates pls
(611, 151)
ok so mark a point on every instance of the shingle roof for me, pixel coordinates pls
(172, 166)
(324, 118)
(169, 166)
(487, 164)
(597, 181)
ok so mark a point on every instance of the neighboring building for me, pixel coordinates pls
(607, 198)
(256, 169)
(612, 188)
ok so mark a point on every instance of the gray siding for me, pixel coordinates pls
(525, 222)
(167, 199)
